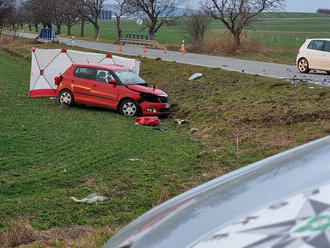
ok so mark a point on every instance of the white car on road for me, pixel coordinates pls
(314, 54)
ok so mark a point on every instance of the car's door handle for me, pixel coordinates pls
(94, 85)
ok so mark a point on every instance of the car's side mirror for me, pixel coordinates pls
(112, 81)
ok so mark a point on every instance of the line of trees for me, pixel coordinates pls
(324, 11)
(7, 7)
(51, 13)
(236, 15)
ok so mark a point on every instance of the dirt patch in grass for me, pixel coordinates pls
(22, 234)
(289, 118)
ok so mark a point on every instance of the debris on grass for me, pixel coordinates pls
(134, 159)
(181, 122)
(195, 76)
(92, 198)
(148, 121)
(159, 129)
(90, 181)
(193, 130)
(201, 153)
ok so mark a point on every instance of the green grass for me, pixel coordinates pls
(47, 153)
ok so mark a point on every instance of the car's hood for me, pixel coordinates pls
(145, 89)
(277, 201)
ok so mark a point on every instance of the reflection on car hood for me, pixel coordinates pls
(243, 207)
(145, 89)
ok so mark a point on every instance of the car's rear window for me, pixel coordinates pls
(316, 45)
(85, 72)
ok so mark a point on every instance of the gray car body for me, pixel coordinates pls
(185, 219)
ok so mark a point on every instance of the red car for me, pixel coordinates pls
(110, 86)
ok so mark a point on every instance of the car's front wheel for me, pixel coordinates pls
(66, 97)
(303, 65)
(129, 108)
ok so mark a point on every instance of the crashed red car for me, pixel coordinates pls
(110, 86)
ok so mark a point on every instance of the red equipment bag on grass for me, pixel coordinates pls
(148, 120)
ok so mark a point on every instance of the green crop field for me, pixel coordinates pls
(48, 153)
(268, 28)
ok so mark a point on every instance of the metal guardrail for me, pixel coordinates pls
(140, 42)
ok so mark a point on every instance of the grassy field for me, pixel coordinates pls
(48, 154)
(270, 25)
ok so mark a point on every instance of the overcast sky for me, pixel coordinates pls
(293, 5)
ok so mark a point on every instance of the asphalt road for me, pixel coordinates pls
(273, 70)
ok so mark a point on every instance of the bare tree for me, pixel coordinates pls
(237, 14)
(39, 11)
(122, 8)
(83, 11)
(44, 10)
(71, 13)
(31, 13)
(159, 12)
(58, 12)
(94, 9)
(196, 25)
(324, 11)
(6, 9)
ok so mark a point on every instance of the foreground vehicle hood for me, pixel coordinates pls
(280, 201)
(145, 89)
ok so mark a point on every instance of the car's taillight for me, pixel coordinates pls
(58, 80)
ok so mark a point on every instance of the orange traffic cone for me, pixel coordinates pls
(145, 49)
(183, 48)
(120, 47)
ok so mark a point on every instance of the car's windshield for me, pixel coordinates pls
(129, 77)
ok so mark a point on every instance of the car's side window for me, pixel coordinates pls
(316, 45)
(327, 46)
(104, 76)
(85, 72)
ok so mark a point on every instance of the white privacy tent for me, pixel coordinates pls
(49, 63)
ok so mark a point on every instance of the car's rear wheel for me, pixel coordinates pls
(129, 108)
(66, 97)
(303, 65)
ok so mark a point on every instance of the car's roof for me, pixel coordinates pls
(112, 67)
(270, 202)
(326, 39)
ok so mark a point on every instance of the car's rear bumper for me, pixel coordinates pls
(155, 108)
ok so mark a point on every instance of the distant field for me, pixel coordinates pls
(280, 30)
